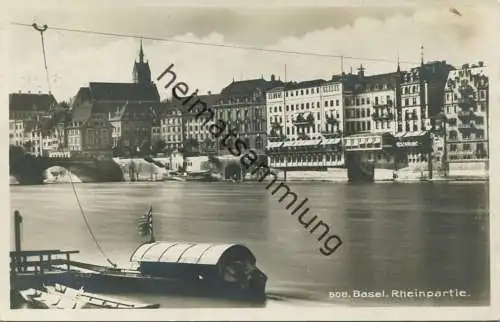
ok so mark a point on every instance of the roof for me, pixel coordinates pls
(81, 113)
(143, 110)
(247, 87)
(389, 79)
(177, 104)
(119, 92)
(189, 253)
(305, 84)
(30, 101)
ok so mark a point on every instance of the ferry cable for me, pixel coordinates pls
(270, 50)
(42, 30)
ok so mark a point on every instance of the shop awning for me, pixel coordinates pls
(410, 134)
(272, 145)
(331, 141)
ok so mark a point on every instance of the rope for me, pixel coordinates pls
(198, 43)
(82, 212)
(86, 221)
(41, 30)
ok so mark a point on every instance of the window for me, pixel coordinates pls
(326, 103)
(466, 147)
(337, 102)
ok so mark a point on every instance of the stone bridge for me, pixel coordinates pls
(28, 169)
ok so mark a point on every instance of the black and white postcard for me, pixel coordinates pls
(250, 160)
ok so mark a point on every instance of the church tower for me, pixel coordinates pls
(142, 72)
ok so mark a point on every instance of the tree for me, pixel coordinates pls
(190, 147)
(159, 146)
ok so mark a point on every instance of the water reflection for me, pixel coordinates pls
(395, 236)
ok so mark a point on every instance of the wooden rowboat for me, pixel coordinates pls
(63, 297)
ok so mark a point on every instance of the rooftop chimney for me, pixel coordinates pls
(481, 63)
(209, 93)
(273, 78)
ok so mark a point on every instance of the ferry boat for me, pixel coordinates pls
(226, 271)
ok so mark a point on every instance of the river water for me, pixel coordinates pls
(424, 236)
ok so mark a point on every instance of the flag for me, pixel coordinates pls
(145, 223)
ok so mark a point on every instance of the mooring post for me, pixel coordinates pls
(18, 219)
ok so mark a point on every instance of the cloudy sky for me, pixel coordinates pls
(365, 33)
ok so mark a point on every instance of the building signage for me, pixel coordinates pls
(407, 144)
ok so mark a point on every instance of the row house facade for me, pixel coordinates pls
(196, 139)
(466, 116)
(305, 124)
(89, 134)
(242, 105)
(419, 112)
(370, 107)
(131, 126)
(16, 132)
(386, 119)
(171, 125)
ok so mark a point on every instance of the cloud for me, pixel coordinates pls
(76, 59)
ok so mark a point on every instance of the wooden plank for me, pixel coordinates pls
(44, 263)
(93, 267)
(43, 252)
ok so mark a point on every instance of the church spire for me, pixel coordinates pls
(422, 55)
(141, 72)
(141, 54)
(399, 67)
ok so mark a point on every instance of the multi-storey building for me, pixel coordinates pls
(196, 139)
(89, 134)
(242, 105)
(421, 104)
(132, 125)
(30, 106)
(305, 124)
(370, 104)
(466, 111)
(16, 132)
(171, 126)
(33, 137)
